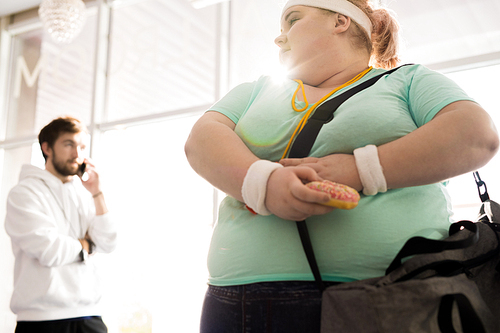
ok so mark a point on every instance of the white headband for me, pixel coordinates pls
(343, 7)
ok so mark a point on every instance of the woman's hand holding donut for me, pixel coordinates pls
(287, 196)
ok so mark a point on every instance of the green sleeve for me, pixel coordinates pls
(429, 92)
(235, 103)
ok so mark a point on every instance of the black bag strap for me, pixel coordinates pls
(481, 187)
(302, 145)
(471, 323)
(308, 249)
(490, 210)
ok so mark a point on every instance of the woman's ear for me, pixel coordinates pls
(342, 23)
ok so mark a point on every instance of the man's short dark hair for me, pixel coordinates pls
(51, 132)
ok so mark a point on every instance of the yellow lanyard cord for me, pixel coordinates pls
(304, 119)
(301, 87)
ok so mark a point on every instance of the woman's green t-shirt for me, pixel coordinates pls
(349, 245)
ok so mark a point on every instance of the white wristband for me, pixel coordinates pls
(255, 185)
(370, 170)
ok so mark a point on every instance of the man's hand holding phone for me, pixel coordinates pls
(81, 172)
(89, 176)
(90, 180)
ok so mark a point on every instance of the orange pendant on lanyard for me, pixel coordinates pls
(304, 119)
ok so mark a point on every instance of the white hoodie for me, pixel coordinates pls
(45, 218)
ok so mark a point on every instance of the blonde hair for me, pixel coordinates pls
(384, 44)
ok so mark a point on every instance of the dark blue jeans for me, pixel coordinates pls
(269, 307)
(72, 325)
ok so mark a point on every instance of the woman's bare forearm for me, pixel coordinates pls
(217, 154)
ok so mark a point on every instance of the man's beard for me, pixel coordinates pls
(63, 168)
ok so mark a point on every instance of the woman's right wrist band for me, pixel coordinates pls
(370, 170)
(254, 186)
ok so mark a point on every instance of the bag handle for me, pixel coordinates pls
(471, 323)
(302, 147)
(421, 245)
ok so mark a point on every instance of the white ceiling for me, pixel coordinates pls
(8, 7)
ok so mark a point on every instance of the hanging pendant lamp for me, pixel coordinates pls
(63, 19)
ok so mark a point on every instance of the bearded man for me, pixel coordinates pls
(56, 218)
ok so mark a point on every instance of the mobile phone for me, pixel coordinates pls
(82, 173)
(81, 168)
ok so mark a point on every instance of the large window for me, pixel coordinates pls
(48, 79)
(162, 58)
(165, 216)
